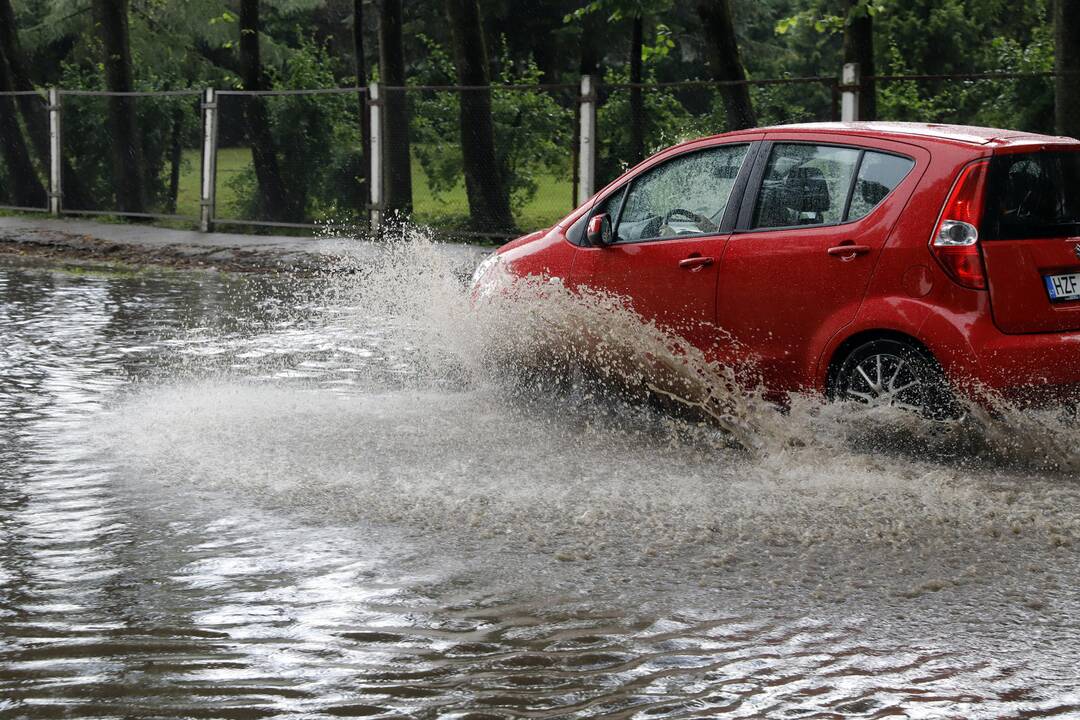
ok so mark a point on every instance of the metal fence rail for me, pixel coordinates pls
(304, 160)
(83, 142)
(555, 144)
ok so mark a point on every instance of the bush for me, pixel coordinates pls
(88, 144)
(317, 141)
(533, 131)
(667, 122)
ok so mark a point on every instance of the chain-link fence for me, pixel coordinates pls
(488, 160)
(301, 159)
(676, 111)
(1023, 101)
(136, 154)
(290, 158)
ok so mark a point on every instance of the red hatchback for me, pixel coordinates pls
(871, 261)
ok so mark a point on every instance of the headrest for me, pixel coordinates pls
(1029, 189)
(807, 189)
(726, 172)
(872, 192)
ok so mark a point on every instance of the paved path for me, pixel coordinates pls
(146, 244)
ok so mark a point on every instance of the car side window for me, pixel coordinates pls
(879, 174)
(804, 185)
(685, 196)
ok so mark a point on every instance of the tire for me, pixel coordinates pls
(896, 373)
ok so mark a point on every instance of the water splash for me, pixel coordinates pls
(483, 425)
(537, 333)
(305, 491)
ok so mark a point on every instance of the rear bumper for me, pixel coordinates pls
(1034, 368)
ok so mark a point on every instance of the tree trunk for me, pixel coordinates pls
(485, 182)
(637, 105)
(1067, 67)
(26, 187)
(724, 62)
(859, 48)
(111, 17)
(365, 116)
(176, 156)
(397, 161)
(32, 108)
(274, 200)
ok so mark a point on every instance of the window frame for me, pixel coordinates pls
(753, 189)
(731, 212)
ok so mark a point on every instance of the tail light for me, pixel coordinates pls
(956, 238)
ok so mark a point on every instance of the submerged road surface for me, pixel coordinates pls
(247, 497)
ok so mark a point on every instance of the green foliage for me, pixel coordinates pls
(532, 129)
(307, 43)
(780, 104)
(619, 9)
(816, 17)
(661, 47)
(821, 23)
(87, 141)
(937, 38)
(317, 139)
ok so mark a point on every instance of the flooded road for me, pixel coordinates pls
(243, 496)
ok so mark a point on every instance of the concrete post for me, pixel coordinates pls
(849, 98)
(209, 162)
(376, 153)
(56, 188)
(587, 146)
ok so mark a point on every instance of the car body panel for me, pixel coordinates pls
(795, 309)
(542, 254)
(1018, 296)
(649, 273)
(654, 274)
(1016, 267)
(780, 291)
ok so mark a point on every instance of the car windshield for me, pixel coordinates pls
(1033, 195)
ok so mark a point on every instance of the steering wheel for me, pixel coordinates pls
(703, 223)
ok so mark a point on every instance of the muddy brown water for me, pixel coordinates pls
(248, 497)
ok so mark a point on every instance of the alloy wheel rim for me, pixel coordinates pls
(885, 379)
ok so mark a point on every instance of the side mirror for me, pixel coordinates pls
(599, 231)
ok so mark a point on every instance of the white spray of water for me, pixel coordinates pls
(474, 438)
(539, 324)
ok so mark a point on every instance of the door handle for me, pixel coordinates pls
(849, 250)
(695, 262)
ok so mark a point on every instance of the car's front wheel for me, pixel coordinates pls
(895, 373)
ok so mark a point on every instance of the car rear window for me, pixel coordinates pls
(1033, 195)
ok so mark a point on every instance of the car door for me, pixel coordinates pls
(670, 223)
(813, 222)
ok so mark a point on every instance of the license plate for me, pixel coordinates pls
(1063, 287)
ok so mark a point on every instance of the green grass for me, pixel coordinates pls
(230, 163)
(551, 202)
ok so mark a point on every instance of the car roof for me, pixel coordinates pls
(961, 134)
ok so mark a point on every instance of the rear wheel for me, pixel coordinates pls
(896, 373)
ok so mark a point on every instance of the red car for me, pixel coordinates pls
(872, 261)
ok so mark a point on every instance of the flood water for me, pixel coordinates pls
(249, 496)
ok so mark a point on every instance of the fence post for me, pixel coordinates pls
(849, 98)
(375, 188)
(55, 175)
(587, 140)
(207, 196)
